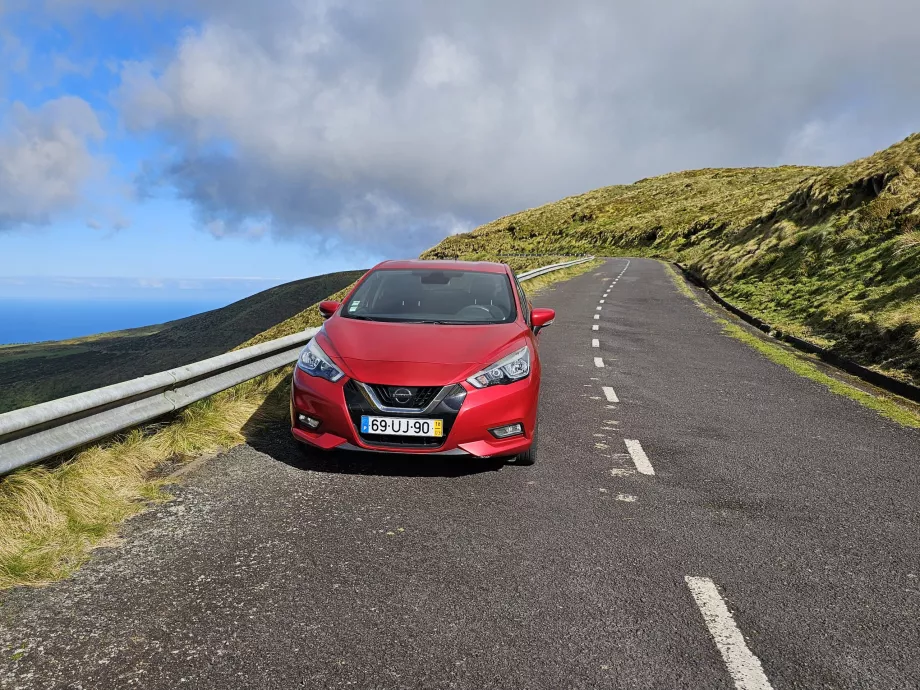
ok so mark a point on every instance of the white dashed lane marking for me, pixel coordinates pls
(610, 394)
(743, 666)
(598, 362)
(599, 308)
(601, 302)
(595, 327)
(595, 343)
(597, 316)
(639, 458)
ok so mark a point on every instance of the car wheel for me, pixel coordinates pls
(529, 456)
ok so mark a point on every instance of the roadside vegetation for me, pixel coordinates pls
(888, 406)
(535, 286)
(51, 517)
(829, 254)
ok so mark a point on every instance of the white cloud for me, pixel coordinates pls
(151, 283)
(441, 61)
(392, 124)
(45, 160)
(16, 55)
(84, 281)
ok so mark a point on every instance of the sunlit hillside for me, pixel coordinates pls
(832, 254)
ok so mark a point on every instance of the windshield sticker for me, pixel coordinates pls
(354, 305)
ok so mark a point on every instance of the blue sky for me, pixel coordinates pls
(164, 142)
(154, 245)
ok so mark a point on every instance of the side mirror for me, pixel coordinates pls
(328, 307)
(541, 318)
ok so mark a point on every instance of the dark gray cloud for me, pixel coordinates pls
(395, 123)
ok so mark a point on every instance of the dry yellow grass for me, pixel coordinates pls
(50, 518)
(535, 286)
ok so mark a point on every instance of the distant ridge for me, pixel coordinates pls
(30, 374)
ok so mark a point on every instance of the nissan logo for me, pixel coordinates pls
(402, 395)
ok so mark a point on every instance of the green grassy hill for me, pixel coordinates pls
(31, 374)
(831, 254)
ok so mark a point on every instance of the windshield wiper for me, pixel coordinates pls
(386, 319)
(459, 323)
(375, 318)
(436, 322)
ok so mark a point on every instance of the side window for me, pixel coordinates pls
(525, 303)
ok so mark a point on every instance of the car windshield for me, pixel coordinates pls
(433, 296)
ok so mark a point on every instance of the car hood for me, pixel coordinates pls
(407, 354)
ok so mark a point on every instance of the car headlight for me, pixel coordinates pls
(514, 367)
(317, 363)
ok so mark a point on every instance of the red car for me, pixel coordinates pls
(428, 357)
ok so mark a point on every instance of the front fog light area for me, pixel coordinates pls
(307, 421)
(507, 431)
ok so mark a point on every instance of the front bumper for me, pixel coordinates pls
(467, 429)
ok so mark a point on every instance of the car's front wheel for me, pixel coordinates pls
(529, 456)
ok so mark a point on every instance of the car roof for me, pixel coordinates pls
(477, 266)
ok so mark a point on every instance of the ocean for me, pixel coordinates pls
(29, 321)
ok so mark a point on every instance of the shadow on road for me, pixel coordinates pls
(268, 432)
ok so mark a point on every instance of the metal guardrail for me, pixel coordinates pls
(48, 429)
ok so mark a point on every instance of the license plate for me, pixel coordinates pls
(402, 426)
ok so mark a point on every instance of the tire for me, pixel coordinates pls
(529, 456)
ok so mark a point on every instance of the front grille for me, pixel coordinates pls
(420, 396)
(358, 404)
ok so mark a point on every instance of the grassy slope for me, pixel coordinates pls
(30, 374)
(802, 364)
(832, 254)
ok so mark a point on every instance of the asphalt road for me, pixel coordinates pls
(794, 513)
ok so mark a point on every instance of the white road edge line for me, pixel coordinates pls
(639, 458)
(610, 394)
(595, 342)
(598, 362)
(743, 666)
